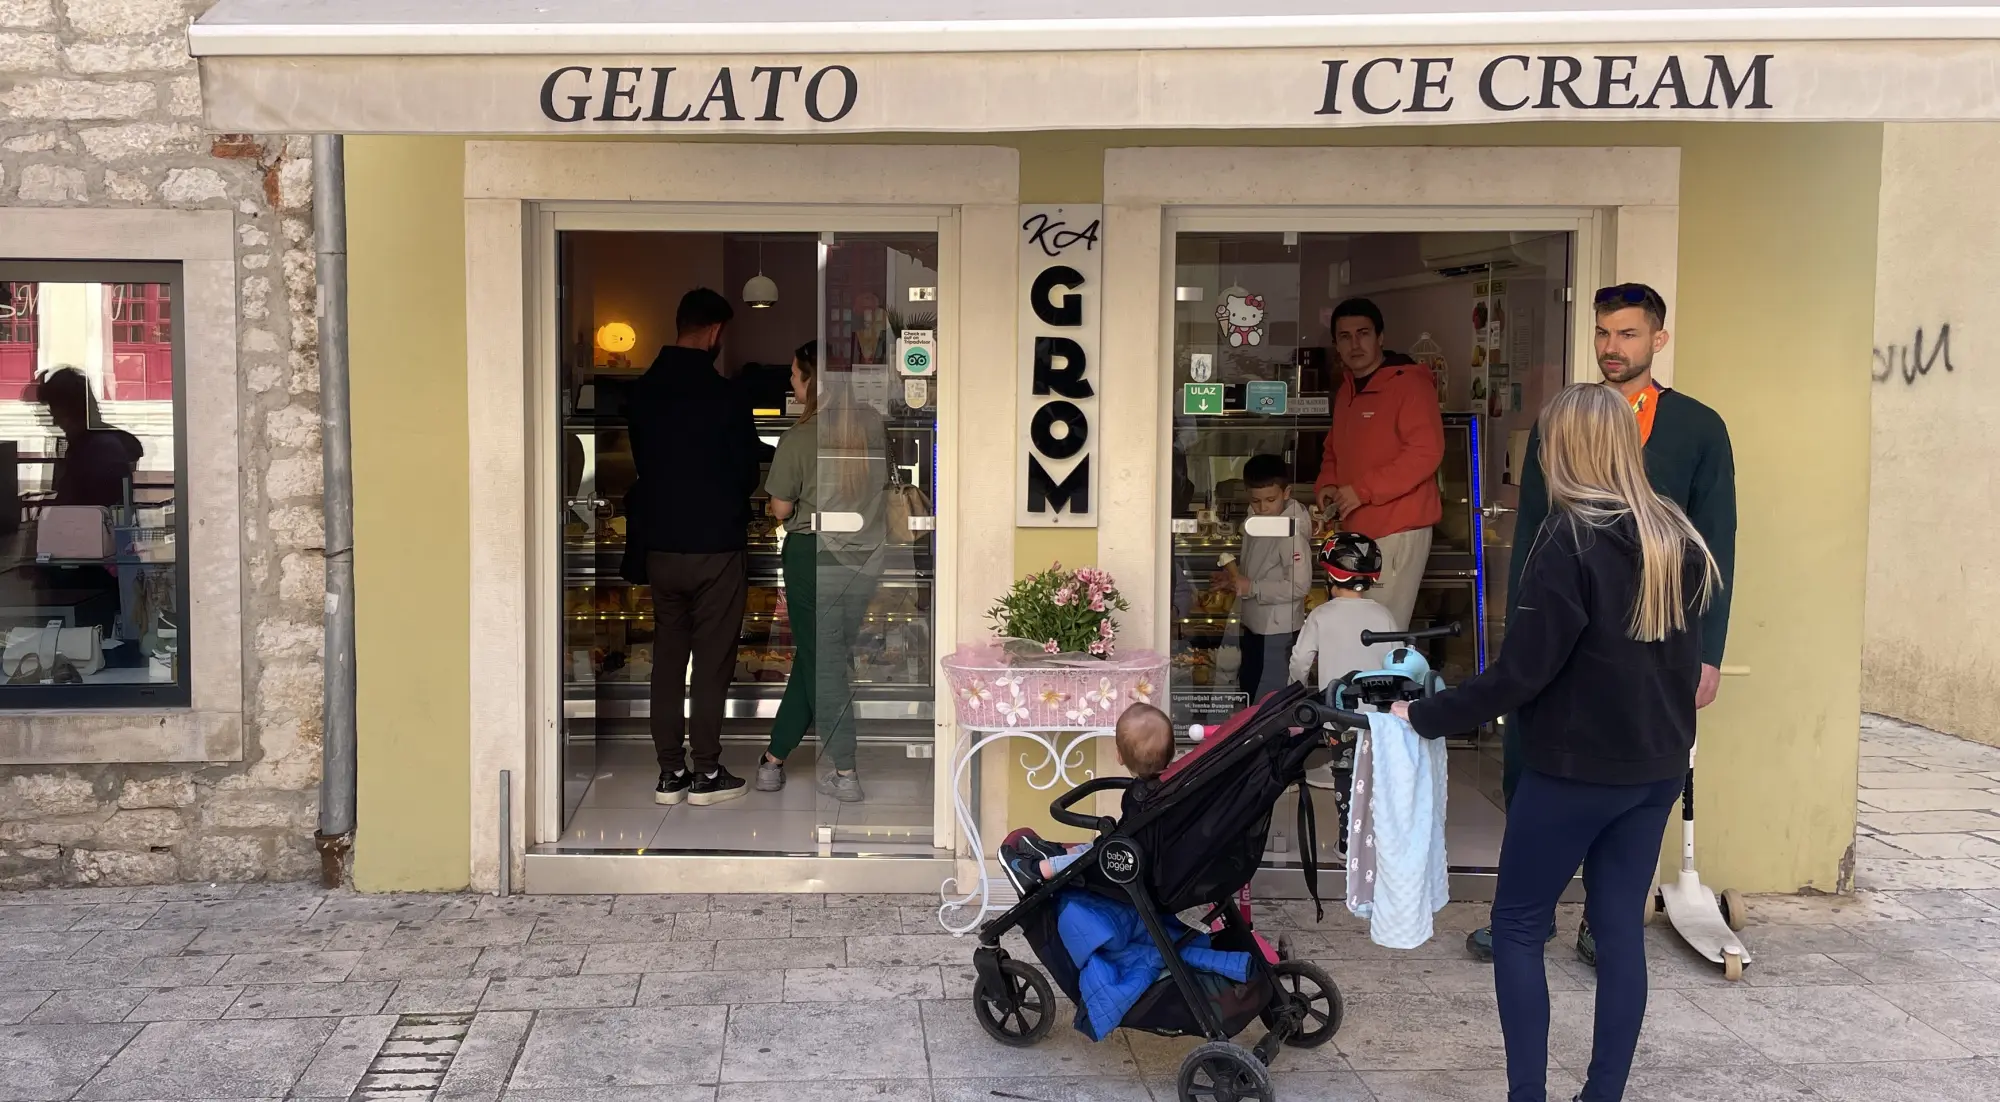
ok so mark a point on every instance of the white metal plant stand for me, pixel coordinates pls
(1059, 710)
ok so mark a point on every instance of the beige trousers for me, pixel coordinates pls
(1404, 556)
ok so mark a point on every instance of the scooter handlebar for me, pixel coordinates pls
(1448, 631)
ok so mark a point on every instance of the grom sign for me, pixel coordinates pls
(1062, 268)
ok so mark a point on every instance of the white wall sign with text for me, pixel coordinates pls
(1105, 90)
(1062, 294)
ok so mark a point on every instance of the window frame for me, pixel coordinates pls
(129, 697)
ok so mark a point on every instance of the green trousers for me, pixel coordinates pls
(827, 603)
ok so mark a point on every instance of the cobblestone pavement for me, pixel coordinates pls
(194, 992)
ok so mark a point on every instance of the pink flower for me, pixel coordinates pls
(1066, 596)
(1051, 647)
(1105, 629)
(1097, 602)
(1098, 648)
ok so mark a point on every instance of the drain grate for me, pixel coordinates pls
(411, 1065)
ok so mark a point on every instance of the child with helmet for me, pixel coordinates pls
(1331, 636)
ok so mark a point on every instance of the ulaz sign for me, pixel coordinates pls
(665, 94)
(1062, 269)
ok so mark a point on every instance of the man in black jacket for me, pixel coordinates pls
(1688, 461)
(695, 446)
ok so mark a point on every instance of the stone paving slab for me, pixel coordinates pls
(194, 992)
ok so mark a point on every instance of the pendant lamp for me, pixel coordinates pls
(760, 293)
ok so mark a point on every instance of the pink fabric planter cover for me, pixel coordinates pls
(996, 691)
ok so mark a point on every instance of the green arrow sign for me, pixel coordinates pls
(1198, 399)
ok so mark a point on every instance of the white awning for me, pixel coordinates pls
(969, 66)
(339, 28)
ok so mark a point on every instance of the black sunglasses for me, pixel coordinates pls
(1631, 294)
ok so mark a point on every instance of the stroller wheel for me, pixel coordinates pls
(1222, 1072)
(1308, 1008)
(1024, 1013)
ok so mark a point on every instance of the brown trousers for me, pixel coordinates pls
(698, 614)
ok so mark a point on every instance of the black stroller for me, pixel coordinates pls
(1196, 844)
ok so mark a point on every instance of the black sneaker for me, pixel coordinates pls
(1479, 943)
(1022, 867)
(673, 786)
(715, 788)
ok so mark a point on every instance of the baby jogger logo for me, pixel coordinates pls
(1120, 862)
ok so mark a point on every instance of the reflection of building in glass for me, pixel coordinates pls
(88, 568)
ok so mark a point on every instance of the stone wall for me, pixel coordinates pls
(100, 107)
(1932, 655)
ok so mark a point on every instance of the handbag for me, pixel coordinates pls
(905, 502)
(73, 532)
(33, 655)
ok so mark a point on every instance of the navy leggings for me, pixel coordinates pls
(1614, 832)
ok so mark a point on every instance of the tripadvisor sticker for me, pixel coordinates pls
(916, 353)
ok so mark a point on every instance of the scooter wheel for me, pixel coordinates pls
(1732, 966)
(1656, 908)
(1734, 912)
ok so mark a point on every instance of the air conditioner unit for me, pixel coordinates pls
(1500, 248)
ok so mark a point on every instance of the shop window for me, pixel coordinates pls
(92, 486)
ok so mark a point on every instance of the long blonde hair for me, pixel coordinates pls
(1596, 470)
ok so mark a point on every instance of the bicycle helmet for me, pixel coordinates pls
(1351, 560)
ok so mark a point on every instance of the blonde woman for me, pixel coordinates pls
(1602, 663)
(834, 461)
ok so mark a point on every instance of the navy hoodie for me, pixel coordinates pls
(1596, 705)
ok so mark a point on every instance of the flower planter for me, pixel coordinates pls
(994, 690)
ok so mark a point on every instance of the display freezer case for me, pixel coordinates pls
(608, 621)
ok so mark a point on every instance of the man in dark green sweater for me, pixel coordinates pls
(1688, 461)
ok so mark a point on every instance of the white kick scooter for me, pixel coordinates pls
(1703, 921)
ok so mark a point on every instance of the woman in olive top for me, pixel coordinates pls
(833, 462)
(1602, 661)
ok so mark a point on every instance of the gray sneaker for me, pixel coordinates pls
(770, 775)
(845, 787)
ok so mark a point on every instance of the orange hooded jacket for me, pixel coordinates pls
(1387, 442)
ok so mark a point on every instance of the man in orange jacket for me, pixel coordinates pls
(1379, 471)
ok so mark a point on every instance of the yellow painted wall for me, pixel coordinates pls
(1777, 288)
(1933, 653)
(406, 296)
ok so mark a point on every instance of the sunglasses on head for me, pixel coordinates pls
(1630, 294)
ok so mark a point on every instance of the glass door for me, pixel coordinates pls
(875, 559)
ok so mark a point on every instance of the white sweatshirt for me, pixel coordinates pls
(1281, 570)
(1333, 635)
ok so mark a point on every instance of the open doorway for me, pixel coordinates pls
(1486, 316)
(841, 569)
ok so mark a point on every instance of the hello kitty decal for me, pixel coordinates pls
(1241, 316)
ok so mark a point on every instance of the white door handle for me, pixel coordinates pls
(838, 522)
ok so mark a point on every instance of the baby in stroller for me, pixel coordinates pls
(1190, 837)
(1144, 738)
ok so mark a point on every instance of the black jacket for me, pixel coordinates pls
(695, 445)
(1595, 704)
(1689, 462)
